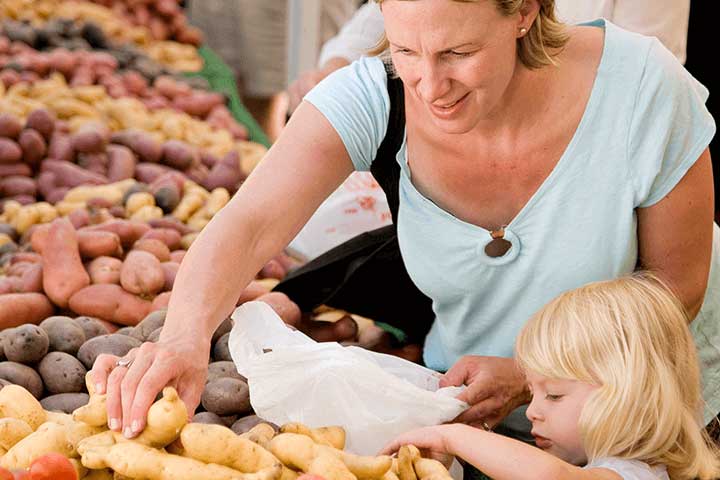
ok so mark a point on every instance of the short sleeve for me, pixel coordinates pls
(355, 101)
(630, 469)
(670, 126)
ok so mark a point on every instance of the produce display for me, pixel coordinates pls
(112, 161)
(79, 445)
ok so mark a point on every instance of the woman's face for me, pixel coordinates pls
(455, 58)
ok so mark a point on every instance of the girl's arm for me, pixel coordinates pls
(499, 457)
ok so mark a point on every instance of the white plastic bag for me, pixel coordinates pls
(373, 396)
(358, 205)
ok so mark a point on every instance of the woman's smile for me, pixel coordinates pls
(449, 110)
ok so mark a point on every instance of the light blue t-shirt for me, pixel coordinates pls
(644, 126)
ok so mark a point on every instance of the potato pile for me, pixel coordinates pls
(163, 18)
(170, 448)
(175, 55)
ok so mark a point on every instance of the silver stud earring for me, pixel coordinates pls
(523, 31)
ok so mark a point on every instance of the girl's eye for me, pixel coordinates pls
(553, 398)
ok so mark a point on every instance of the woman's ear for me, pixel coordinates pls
(528, 13)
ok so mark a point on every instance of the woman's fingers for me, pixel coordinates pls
(113, 400)
(129, 387)
(102, 367)
(481, 414)
(155, 378)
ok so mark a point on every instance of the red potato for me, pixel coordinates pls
(170, 178)
(283, 306)
(170, 270)
(171, 222)
(10, 284)
(94, 162)
(57, 194)
(15, 169)
(105, 270)
(46, 182)
(110, 303)
(10, 151)
(149, 172)
(19, 308)
(22, 199)
(63, 271)
(224, 175)
(71, 175)
(154, 246)
(143, 144)
(90, 138)
(252, 291)
(198, 173)
(161, 301)
(33, 146)
(99, 243)
(273, 269)
(121, 163)
(26, 257)
(79, 218)
(177, 256)
(42, 121)
(60, 147)
(198, 104)
(32, 278)
(135, 83)
(17, 185)
(10, 126)
(168, 236)
(179, 154)
(141, 273)
(171, 88)
(63, 61)
(129, 231)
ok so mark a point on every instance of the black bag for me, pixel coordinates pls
(366, 274)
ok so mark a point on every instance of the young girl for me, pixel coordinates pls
(616, 393)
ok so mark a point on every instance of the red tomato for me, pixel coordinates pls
(52, 466)
(5, 474)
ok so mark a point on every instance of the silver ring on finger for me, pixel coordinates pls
(486, 427)
(124, 362)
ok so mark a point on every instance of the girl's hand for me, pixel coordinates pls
(431, 441)
(495, 387)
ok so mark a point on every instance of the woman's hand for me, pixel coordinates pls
(132, 390)
(495, 387)
(432, 442)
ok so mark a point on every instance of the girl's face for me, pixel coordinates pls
(554, 412)
(456, 59)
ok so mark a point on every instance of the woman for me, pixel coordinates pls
(536, 159)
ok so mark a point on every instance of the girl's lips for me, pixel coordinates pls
(541, 441)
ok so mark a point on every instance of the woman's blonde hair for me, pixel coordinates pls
(631, 338)
(544, 40)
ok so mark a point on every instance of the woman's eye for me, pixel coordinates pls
(404, 51)
(460, 54)
(553, 398)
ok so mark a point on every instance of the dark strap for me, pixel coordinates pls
(385, 168)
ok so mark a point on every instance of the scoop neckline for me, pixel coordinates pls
(590, 107)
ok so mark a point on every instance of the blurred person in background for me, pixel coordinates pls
(251, 37)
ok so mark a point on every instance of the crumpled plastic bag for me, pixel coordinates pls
(373, 396)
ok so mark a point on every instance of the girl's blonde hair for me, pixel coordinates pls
(544, 40)
(630, 337)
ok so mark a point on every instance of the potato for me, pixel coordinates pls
(17, 402)
(111, 303)
(10, 151)
(178, 154)
(167, 198)
(207, 418)
(61, 147)
(121, 163)
(65, 402)
(33, 146)
(140, 142)
(138, 200)
(12, 430)
(245, 424)
(153, 246)
(19, 308)
(105, 270)
(10, 125)
(91, 327)
(63, 271)
(223, 369)
(26, 344)
(221, 351)
(141, 273)
(129, 231)
(177, 255)
(42, 121)
(114, 344)
(148, 325)
(71, 175)
(22, 375)
(17, 185)
(169, 221)
(64, 334)
(222, 329)
(226, 396)
(95, 244)
(90, 137)
(15, 169)
(62, 373)
(168, 236)
(161, 301)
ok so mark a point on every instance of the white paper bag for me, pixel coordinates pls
(373, 396)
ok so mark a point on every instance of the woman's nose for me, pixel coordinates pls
(433, 84)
